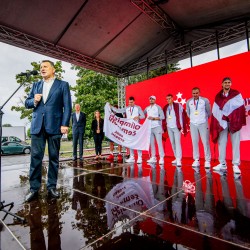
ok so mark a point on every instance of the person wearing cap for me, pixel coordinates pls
(155, 113)
(134, 112)
(175, 121)
(228, 116)
(199, 110)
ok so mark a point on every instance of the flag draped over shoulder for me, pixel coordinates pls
(227, 109)
(127, 132)
(245, 131)
(182, 119)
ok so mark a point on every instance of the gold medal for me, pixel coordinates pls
(196, 112)
(169, 117)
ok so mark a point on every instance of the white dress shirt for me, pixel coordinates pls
(77, 116)
(46, 88)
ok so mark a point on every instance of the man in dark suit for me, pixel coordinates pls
(51, 103)
(78, 130)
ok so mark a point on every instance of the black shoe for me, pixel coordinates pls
(53, 193)
(74, 159)
(81, 159)
(31, 196)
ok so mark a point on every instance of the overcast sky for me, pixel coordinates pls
(14, 60)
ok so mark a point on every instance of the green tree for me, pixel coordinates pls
(28, 133)
(154, 73)
(7, 125)
(92, 91)
(27, 113)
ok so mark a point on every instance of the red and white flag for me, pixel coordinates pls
(227, 109)
(245, 131)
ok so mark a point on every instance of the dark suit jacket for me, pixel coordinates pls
(55, 112)
(78, 126)
(94, 126)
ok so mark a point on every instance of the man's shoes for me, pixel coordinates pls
(74, 159)
(174, 162)
(110, 157)
(161, 161)
(152, 160)
(139, 160)
(236, 169)
(152, 165)
(31, 196)
(207, 164)
(81, 158)
(196, 169)
(196, 163)
(178, 162)
(53, 193)
(131, 159)
(220, 167)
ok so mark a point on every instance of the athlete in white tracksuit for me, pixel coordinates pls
(155, 114)
(199, 110)
(134, 112)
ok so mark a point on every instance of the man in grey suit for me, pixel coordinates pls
(78, 130)
(51, 103)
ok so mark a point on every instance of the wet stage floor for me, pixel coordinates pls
(108, 205)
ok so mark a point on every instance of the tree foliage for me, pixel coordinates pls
(7, 125)
(27, 113)
(92, 91)
(154, 73)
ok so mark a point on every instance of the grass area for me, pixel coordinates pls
(67, 146)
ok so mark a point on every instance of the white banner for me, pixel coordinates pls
(245, 131)
(127, 132)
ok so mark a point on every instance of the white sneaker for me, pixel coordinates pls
(161, 161)
(196, 163)
(196, 169)
(236, 169)
(152, 164)
(174, 161)
(139, 160)
(130, 160)
(220, 167)
(152, 160)
(178, 162)
(207, 164)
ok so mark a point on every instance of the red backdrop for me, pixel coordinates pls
(208, 78)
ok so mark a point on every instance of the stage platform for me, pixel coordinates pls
(194, 208)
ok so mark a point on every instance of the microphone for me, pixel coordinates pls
(33, 72)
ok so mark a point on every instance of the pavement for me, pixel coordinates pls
(110, 205)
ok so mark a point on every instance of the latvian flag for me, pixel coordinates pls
(227, 109)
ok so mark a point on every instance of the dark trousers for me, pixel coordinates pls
(38, 143)
(37, 238)
(98, 143)
(77, 137)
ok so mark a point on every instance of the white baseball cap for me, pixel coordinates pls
(152, 97)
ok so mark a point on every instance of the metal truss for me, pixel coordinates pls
(154, 12)
(20, 39)
(226, 36)
(233, 33)
(121, 87)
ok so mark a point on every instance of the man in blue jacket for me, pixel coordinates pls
(78, 130)
(51, 103)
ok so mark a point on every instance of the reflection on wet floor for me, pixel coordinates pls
(105, 205)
